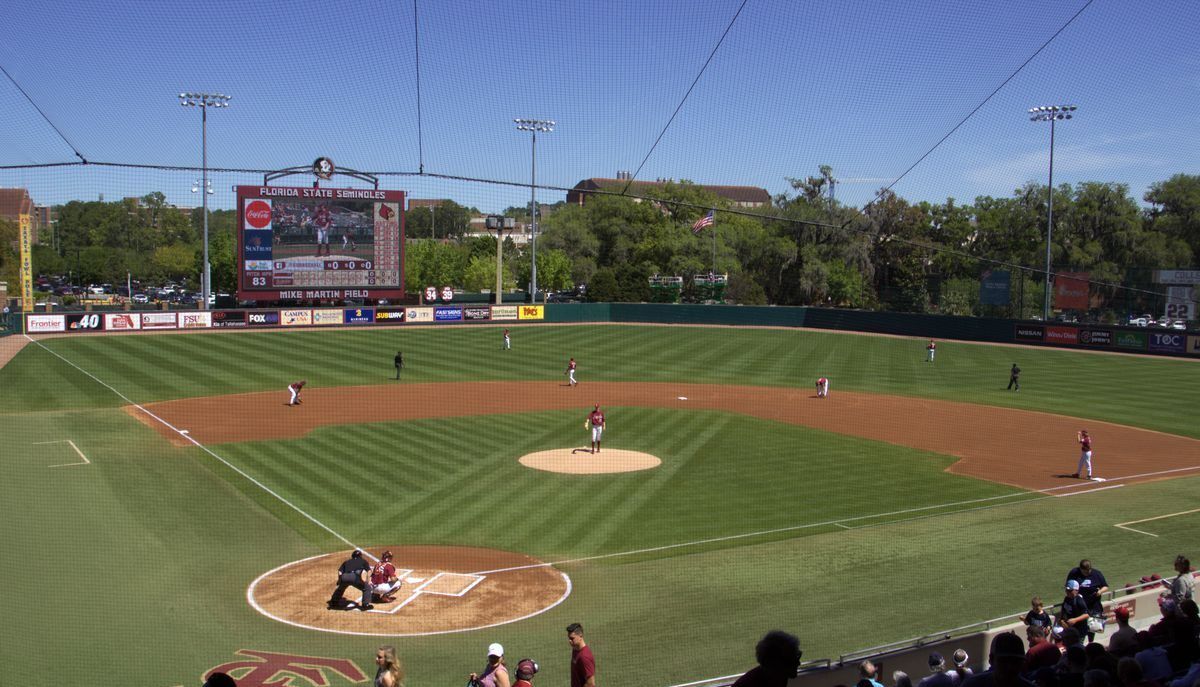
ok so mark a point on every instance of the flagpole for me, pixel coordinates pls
(714, 238)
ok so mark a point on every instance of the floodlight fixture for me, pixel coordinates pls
(1052, 114)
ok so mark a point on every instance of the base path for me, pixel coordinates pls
(1022, 448)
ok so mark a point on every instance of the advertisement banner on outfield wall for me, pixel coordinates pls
(994, 287)
(158, 320)
(359, 315)
(122, 321)
(327, 316)
(418, 314)
(1131, 340)
(1071, 290)
(45, 323)
(390, 316)
(504, 312)
(1180, 277)
(448, 314)
(1193, 345)
(295, 318)
(263, 319)
(195, 320)
(228, 318)
(1029, 332)
(1095, 337)
(477, 313)
(531, 312)
(1062, 335)
(1168, 343)
(84, 322)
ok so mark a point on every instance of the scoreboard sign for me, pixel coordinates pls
(319, 244)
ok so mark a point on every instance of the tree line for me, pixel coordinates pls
(804, 249)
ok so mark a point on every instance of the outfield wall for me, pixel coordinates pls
(1153, 341)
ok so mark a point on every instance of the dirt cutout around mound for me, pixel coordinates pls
(444, 589)
(1027, 449)
(581, 461)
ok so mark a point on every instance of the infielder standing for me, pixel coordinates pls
(931, 350)
(398, 361)
(596, 422)
(1085, 454)
(570, 373)
(822, 387)
(295, 388)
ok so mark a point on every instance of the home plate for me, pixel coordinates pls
(414, 580)
(682, 398)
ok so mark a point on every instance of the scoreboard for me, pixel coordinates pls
(302, 243)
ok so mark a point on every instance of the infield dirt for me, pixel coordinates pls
(1022, 448)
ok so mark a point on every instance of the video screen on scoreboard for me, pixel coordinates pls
(302, 243)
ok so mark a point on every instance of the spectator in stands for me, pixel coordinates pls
(1072, 666)
(1070, 637)
(1037, 614)
(1073, 613)
(1183, 626)
(1005, 657)
(1097, 678)
(937, 673)
(901, 679)
(1189, 679)
(867, 671)
(1123, 642)
(1045, 677)
(961, 671)
(1042, 653)
(1098, 658)
(1156, 667)
(778, 655)
(1129, 673)
(220, 680)
(1092, 586)
(1183, 587)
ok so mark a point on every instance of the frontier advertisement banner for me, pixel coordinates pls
(36, 324)
(994, 287)
(1071, 290)
(504, 312)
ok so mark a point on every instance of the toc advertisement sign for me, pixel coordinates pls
(1029, 332)
(1062, 335)
(1071, 290)
(1168, 343)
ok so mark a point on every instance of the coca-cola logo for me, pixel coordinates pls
(258, 214)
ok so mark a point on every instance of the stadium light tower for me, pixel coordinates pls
(204, 101)
(1052, 114)
(533, 126)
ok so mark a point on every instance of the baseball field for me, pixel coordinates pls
(167, 514)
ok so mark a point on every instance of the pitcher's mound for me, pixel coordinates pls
(581, 461)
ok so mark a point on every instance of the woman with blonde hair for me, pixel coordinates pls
(495, 674)
(389, 672)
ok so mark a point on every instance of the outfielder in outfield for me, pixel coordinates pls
(930, 350)
(822, 387)
(595, 421)
(570, 372)
(507, 340)
(1085, 455)
(294, 389)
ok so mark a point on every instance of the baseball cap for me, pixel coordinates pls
(1073, 584)
(1122, 612)
(936, 661)
(495, 649)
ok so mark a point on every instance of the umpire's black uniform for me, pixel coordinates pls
(350, 575)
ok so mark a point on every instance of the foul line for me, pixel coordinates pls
(202, 447)
(1122, 525)
(72, 443)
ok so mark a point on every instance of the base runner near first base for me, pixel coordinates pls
(595, 420)
(822, 387)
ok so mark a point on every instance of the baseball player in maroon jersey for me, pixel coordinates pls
(324, 222)
(384, 580)
(507, 340)
(822, 387)
(295, 388)
(1085, 454)
(595, 420)
(931, 350)
(570, 373)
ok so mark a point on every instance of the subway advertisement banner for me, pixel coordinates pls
(390, 315)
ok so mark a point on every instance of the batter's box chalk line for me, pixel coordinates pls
(681, 398)
(422, 588)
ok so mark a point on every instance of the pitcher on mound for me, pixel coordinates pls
(595, 420)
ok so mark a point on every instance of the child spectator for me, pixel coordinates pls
(1037, 615)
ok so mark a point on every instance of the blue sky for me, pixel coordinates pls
(866, 87)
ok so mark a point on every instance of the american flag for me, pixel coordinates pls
(705, 221)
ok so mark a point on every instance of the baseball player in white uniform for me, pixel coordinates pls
(822, 387)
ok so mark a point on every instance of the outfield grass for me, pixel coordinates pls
(157, 544)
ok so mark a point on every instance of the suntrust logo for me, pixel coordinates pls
(258, 214)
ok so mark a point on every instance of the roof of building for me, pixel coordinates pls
(14, 202)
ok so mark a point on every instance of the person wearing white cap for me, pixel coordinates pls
(495, 674)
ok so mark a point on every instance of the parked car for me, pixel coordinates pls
(1179, 324)
(140, 298)
(1138, 322)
